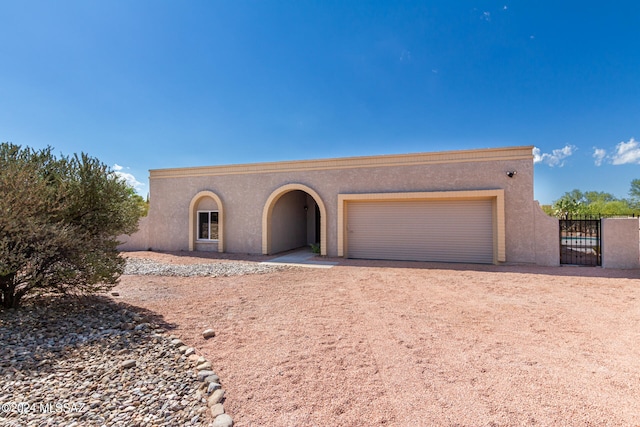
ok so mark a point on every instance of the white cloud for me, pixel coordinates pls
(486, 16)
(599, 154)
(555, 158)
(626, 152)
(128, 177)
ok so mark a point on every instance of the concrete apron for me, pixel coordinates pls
(300, 258)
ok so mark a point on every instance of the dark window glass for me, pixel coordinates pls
(203, 225)
(208, 225)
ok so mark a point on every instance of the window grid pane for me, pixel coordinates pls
(214, 226)
(203, 225)
(208, 225)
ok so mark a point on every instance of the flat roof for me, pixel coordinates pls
(410, 159)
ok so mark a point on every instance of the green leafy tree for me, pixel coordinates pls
(548, 209)
(143, 204)
(571, 203)
(59, 218)
(610, 208)
(634, 193)
(591, 197)
(576, 202)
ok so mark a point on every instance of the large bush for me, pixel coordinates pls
(59, 218)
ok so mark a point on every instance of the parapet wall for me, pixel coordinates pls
(620, 243)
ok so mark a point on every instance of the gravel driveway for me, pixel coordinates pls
(411, 344)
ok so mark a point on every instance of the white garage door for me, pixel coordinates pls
(446, 231)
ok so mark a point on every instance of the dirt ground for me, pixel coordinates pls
(412, 344)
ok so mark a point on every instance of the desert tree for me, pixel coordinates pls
(597, 203)
(634, 193)
(571, 203)
(59, 222)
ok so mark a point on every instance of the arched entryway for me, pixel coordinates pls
(294, 216)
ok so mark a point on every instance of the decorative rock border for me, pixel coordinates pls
(210, 386)
(96, 362)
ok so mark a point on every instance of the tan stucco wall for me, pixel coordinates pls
(546, 237)
(620, 243)
(138, 241)
(244, 190)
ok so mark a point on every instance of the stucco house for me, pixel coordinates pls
(457, 206)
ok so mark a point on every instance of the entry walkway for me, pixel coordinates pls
(303, 257)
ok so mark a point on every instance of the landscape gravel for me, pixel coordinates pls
(147, 267)
(92, 361)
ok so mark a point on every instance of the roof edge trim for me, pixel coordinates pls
(411, 159)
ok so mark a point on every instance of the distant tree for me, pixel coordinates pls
(610, 208)
(142, 203)
(576, 202)
(591, 197)
(634, 193)
(59, 218)
(571, 203)
(548, 209)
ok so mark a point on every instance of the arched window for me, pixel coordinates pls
(206, 222)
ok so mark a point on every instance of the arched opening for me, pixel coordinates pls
(294, 216)
(206, 222)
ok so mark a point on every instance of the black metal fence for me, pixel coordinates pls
(580, 240)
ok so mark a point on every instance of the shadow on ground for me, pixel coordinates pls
(48, 328)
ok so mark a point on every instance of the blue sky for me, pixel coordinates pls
(150, 84)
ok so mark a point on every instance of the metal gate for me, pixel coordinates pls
(580, 241)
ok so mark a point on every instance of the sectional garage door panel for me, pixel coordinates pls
(443, 231)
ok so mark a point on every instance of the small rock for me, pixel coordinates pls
(183, 349)
(216, 397)
(127, 326)
(222, 420)
(209, 333)
(203, 366)
(212, 379)
(204, 374)
(128, 363)
(177, 342)
(188, 352)
(213, 387)
(217, 409)
(115, 294)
